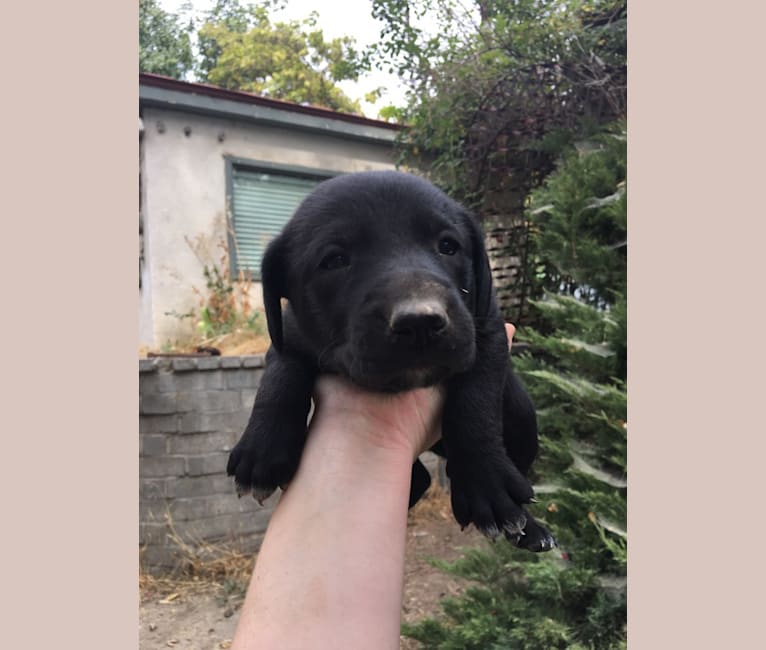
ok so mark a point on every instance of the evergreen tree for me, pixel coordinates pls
(579, 219)
(573, 596)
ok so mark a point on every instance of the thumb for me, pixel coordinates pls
(510, 330)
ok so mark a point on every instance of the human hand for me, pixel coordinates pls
(409, 420)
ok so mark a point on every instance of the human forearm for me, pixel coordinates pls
(329, 573)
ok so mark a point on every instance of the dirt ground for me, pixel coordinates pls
(204, 616)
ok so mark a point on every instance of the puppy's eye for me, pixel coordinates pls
(334, 261)
(448, 246)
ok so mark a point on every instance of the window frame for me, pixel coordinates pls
(265, 167)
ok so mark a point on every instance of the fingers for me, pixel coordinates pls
(510, 330)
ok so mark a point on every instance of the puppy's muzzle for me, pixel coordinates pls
(418, 323)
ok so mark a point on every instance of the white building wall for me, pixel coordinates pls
(184, 193)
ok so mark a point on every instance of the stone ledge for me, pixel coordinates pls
(147, 365)
(186, 364)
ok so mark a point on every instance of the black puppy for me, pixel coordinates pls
(388, 283)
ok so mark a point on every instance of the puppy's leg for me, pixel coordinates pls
(521, 444)
(487, 488)
(268, 453)
(420, 482)
(519, 423)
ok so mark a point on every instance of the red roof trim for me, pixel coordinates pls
(168, 83)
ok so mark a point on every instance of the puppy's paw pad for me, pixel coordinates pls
(535, 538)
(539, 546)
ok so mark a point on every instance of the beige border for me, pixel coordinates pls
(695, 295)
(70, 457)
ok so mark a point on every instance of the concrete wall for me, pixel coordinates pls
(183, 186)
(192, 412)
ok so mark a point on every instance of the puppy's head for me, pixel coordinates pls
(387, 278)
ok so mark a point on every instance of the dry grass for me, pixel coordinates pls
(434, 505)
(225, 571)
(238, 343)
(222, 568)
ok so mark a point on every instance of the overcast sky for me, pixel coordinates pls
(349, 18)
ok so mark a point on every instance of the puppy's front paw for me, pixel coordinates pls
(488, 495)
(533, 537)
(260, 468)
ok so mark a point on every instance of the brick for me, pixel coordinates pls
(184, 365)
(155, 511)
(209, 400)
(231, 362)
(161, 467)
(157, 424)
(160, 382)
(430, 460)
(164, 364)
(204, 507)
(200, 486)
(234, 527)
(442, 477)
(248, 398)
(211, 422)
(213, 463)
(198, 423)
(158, 403)
(436, 466)
(187, 382)
(159, 559)
(242, 378)
(153, 445)
(254, 361)
(150, 489)
(153, 533)
(202, 443)
(147, 365)
(208, 363)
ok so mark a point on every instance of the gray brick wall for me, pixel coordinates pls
(191, 413)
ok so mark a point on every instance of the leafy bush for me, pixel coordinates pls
(573, 596)
(226, 307)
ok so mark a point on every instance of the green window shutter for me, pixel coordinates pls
(261, 204)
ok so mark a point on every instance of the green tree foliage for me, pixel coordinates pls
(497, 88)
(241, 48)
(579, 220)
(164, 43)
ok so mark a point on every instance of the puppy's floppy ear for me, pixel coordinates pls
(274, 280)
(482, 273)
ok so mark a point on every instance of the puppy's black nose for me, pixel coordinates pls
(418, 322)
